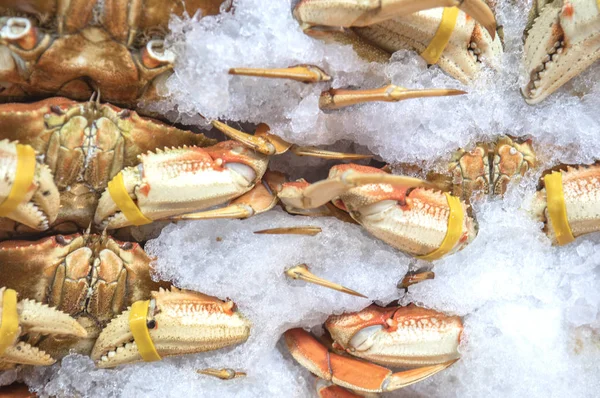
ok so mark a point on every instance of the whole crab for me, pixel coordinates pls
(562, 39)
(75, 295)
(75, 48)
(83, 146)
(393, 337)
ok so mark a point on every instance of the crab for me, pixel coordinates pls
(77, 48)
(408, 336)
(77, 294)
(409, 214)
(83, 145)
(568, 202)
(562, 39)
(488, 168)
(449, 36)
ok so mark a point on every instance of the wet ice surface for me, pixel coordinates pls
(531, 311)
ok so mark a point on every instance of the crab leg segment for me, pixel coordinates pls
(338, 98)
(301, 272)
(301, 73)
(364, 13)
(28, 193)
(179, 322)
(27, 316)
(348, 372)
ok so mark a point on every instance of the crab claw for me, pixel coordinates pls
(349, 372)
(397, 336)
(562, 41)
(179, 322)
(22, 176)
(183, 180)
(360, 13)
(36, 318)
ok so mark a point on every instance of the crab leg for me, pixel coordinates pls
(319, 193)
(349, 372)
(356, 13)
(339, 98)
(301, 73)
(270, 144)
(36, 318)
(301, 272)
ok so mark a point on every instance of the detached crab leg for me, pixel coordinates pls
(348, 372)
(301, 272)
(301, 73)
(29, 316)
(355, 13)
(338, 98)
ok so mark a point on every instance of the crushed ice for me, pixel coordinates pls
(531, 311)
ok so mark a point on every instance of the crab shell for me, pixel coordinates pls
(79, 47)
(562, 39)
(487, 169)
(414, 220)
(95, 279)
(84, 145)
(581, 190)
(469, 45)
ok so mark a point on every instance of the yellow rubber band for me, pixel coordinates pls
(557, 209)
(455, 223)
(118, 193)
(139, 329)
(9, 328)
(438, 44)
(23, 179)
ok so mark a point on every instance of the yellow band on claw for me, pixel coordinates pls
(9, 328)
(438, 44)
(455, 223)
(23, 179)
(118, 193)
(557, 209)
(139, 329)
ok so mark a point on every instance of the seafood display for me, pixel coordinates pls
(345, 248)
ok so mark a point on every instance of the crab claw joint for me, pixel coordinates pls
(27, 316)
(179, 322)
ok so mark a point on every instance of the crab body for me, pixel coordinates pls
(84, 145)
(76, 48)
(94, 279)
(487, 169)
(562, 39)
(405, 25)
(392, 336)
